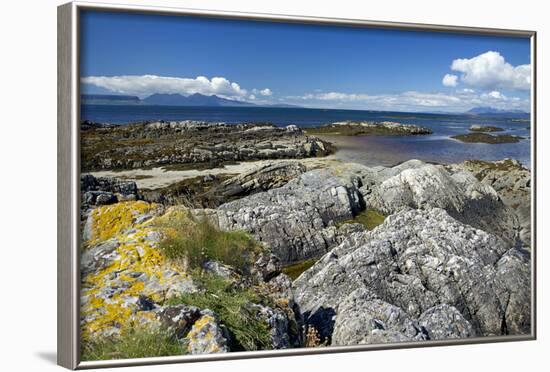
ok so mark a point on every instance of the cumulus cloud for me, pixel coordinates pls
(450, 80)
(262, 92)
(491, 71)
(144, 85)
(331, 96)
(494, 94)
(458, 101)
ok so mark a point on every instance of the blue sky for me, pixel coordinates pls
(308, 65)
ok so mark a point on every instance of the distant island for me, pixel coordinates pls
(491, 111)
(170, 99)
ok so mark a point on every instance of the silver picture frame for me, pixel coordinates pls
(68, 181)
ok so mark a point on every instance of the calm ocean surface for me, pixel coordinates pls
(384, 150)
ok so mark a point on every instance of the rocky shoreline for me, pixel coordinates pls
(413, 252)
(367, 128)
(191, 144)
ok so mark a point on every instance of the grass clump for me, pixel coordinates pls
(197, 240)
(133, 343)
(295, 270)
(368, 218)
(233, 306)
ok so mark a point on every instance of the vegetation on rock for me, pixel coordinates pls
(191, 145)
(108, 221)
(234, 307)
(197, 241)
(124, 266)
(385, 128)
(487, 138)
(133, 343)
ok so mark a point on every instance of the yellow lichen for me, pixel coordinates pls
(110, 220)
(111, 293)
(198, 332)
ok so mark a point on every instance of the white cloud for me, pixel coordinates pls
(266, 92)
(252, 97)
(144, 85)
(331, 96)
(457, 101)
(262, 92)
(450, 80)
(491, 71)
(494, 94)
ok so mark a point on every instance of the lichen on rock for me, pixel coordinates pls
(107, 221)
(119, 273)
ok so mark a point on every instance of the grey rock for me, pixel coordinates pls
(99, 198)
(97, 191)
(278, 324)
(267, 266)
(418, 259)
(221, 270)
(363, 319)
(512, 182)
(179, 318)
(260, 179)
(207, 336)
(107, 184)
(196, 142)
(99, 257)
(281, 285)
(484, 128)
(443, 322)
(419, 185)
(377, 128)
(295, 221)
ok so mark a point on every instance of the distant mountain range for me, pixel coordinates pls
(487, 111)
(173, 99)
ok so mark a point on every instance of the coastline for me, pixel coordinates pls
(277, 229)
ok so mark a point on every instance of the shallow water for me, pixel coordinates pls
(384, 150)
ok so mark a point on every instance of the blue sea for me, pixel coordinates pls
(384, 150)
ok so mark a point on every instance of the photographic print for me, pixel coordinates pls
(250, 185)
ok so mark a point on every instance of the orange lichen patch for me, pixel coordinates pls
(110, 295)
(109, 220)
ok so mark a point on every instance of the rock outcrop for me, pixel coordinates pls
(396, 279)
(260, 179)
(419, 185)
(369, 128)
(512, 182)
(128, 283)
(297, 220)
(193, 144)
(482, 137)
(449, 260)
(97, 191)
(124, 275)
(484, 128)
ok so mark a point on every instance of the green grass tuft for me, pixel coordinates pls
(233, 307)
(134, 343)
(198, 241)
